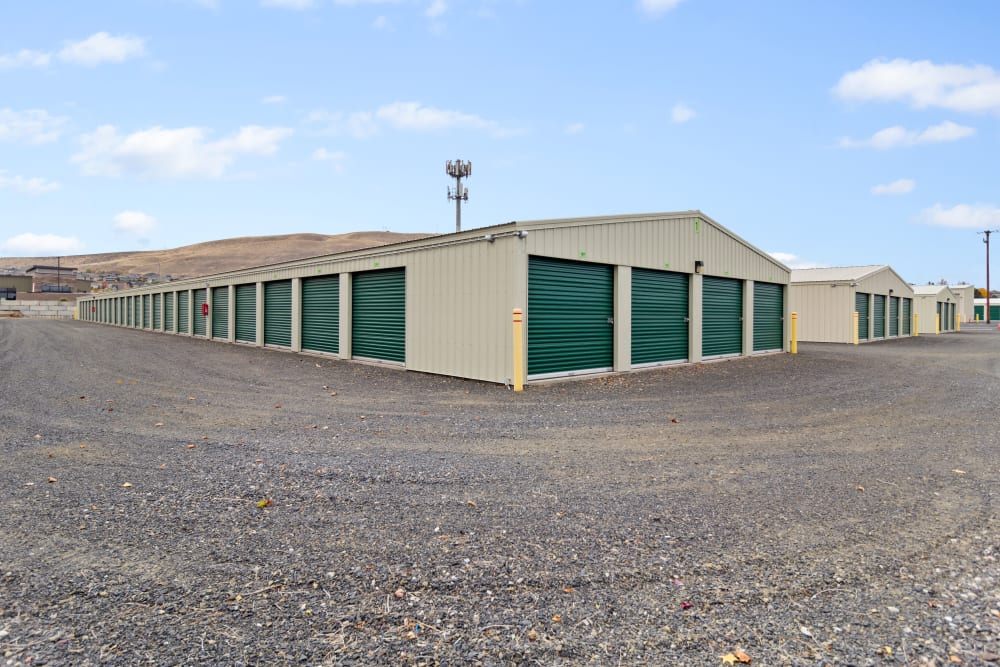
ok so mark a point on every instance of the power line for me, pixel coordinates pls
(986, 234)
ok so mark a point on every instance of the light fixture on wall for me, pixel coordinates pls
(699, 266)
(890, 290)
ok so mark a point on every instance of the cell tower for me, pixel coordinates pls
(458, 169)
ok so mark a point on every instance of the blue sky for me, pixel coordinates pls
(829, 133)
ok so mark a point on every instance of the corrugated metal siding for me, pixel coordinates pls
(861, 307)
(893, 316)
(220, 313)
(660, 317)
(667, 243)
(278, 313)
(137, 311)
(907, 306)
(168, 311)
(321, 314)
(246, 313)
(768, 317)
(146, 311)
(378, 315)
(722, 317)
(878, 308)
(200, 321)
(183, 305)
(157, 311)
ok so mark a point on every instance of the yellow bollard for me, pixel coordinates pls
(958, 323)
(855, 327)
(916, 324)
(518, 350)
(795, 333)
(937, 323)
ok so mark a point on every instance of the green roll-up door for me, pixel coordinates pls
(879, 324)
(145, 311)
(168, 311)
(721, 317)
(246, 313)
(768, 317)
(570, 316)
(861, 306)
(979, 313)
(278, 313)
(220, 312)
(940, 316)
(994, 312)
(200, 299)
(157, 310)
(183, 315)
(907, 318)
(660, 317)
(378, 315)
(321, 314)
(128, 311)
(893, 315)
(951, 316)
(137, 312)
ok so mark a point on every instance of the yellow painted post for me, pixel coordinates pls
(795, 333)
(977, 317)
(916, 324)
(518, 350)
(937, 323)
(855, 327)
(958, 322)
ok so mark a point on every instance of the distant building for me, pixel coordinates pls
(46, 278)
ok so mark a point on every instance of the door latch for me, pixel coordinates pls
(611, 320)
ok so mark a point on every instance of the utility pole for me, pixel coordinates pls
(986, 240)
(457, 170)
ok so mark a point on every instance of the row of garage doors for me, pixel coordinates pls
(378, 317)
(571, 317)
(980, 312)
(871, 309)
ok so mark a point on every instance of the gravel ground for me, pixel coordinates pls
(172, 501)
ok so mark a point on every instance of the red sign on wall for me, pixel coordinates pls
(204, 309)
(93, 309)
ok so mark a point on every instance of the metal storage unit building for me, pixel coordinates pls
(598, 294)
(966, 295)
(826, 300)
(936, 305)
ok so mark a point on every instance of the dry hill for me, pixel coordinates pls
(219, 256)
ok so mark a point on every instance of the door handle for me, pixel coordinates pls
(611, 320)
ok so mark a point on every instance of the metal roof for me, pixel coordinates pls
(931, 290)
(836, 273)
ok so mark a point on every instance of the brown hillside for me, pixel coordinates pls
(219, 256)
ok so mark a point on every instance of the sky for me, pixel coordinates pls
(828, 133)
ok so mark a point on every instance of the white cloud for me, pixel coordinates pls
(274, 99)
(172, 153)
(794, 261)
(436, 9)
(289, 4)
(33, 126)
(657, 7)
(25, 58)
(977, 216)
(681, 113)
(28, 186)
(134, 223)
(406, 116)
(29, 244)
(103, 48)
(359, 125)
(923, 84)
(574, 128)
(381, 23)
(900, 187)
(336, 158)
(896, 136)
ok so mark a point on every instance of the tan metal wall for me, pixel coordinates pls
(825, 312)
(966, 295)
(672, 242)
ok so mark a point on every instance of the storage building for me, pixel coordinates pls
(980, 309)
(598, 294)
(937, 307)
(825, 301)
(966, 296)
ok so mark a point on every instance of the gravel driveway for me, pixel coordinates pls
(172, 501)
